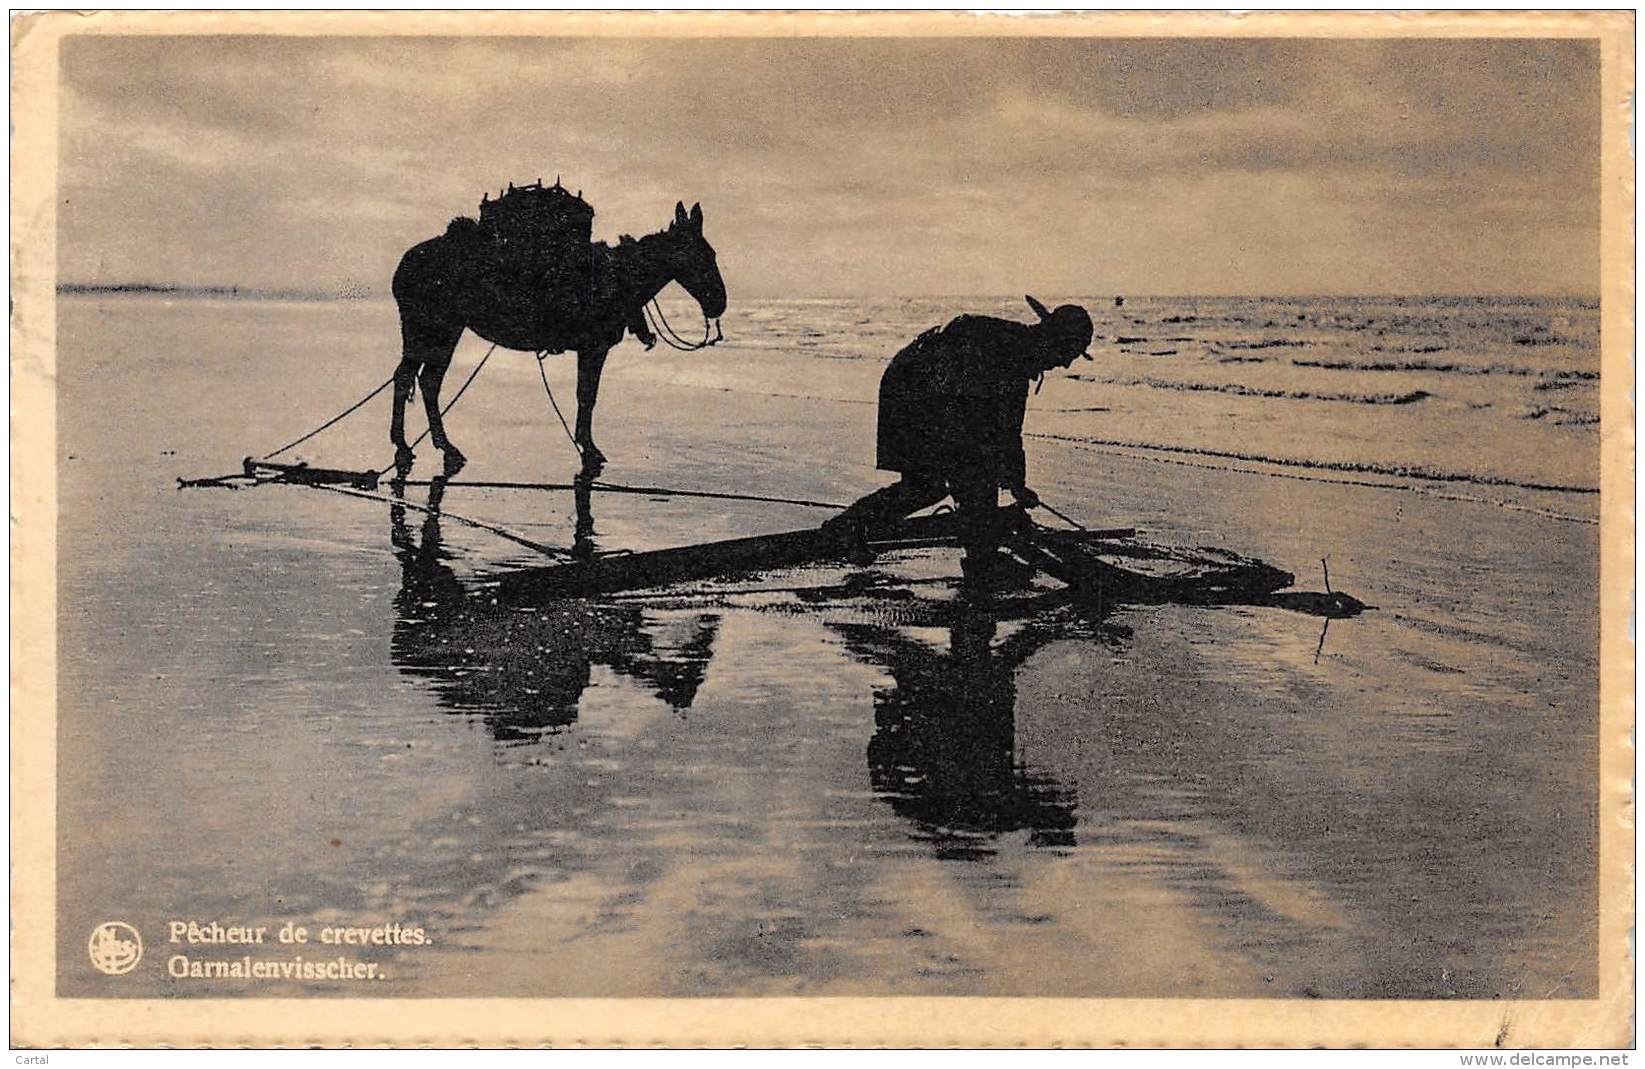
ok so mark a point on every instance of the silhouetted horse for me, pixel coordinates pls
(454, 281)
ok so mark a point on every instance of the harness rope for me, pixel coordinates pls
(543, 372)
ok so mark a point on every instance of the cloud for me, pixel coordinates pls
(840, 166)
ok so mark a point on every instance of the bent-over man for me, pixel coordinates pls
(950, 421)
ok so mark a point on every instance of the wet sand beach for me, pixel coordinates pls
(284, 705)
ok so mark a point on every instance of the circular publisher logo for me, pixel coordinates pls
(115, 947)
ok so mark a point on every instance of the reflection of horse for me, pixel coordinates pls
(460, 280)
(525, 671)
(944, 747)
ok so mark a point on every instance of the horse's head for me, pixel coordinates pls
(692, 261)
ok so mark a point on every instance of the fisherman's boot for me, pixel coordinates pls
(985, 563)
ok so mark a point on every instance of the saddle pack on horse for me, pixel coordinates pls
(540, 240)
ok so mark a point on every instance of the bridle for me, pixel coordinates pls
(664, 330)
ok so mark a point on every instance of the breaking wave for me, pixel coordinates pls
(1410, 397)
(1563, 417)
(1447, 367)
(1406, 471)
(1266, 343)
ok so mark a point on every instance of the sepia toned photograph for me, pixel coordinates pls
(806, 529)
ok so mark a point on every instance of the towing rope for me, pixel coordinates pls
(356, 406)
(472, 375)
(333, 420)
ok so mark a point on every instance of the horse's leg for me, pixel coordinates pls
(430, 378)
(435, 344)
(422, 339)
(590, 363)
(405, 376)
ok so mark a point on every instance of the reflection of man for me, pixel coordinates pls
(944, 747)
(950, 421)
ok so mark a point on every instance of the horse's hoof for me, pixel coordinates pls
(454, 460)
(404, 458)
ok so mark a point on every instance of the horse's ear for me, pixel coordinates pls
(679, 212)
(1039, 309)
(697, 216)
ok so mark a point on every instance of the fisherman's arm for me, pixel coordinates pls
(1013, 462)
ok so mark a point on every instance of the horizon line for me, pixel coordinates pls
(353, 292)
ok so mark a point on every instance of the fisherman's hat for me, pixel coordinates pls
(1069, 321)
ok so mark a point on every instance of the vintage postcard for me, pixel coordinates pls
(822, 529)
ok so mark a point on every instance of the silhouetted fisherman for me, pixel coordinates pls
(951, 411)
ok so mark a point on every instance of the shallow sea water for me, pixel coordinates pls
(285, 705)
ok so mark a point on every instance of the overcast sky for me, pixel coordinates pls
(836, 167)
